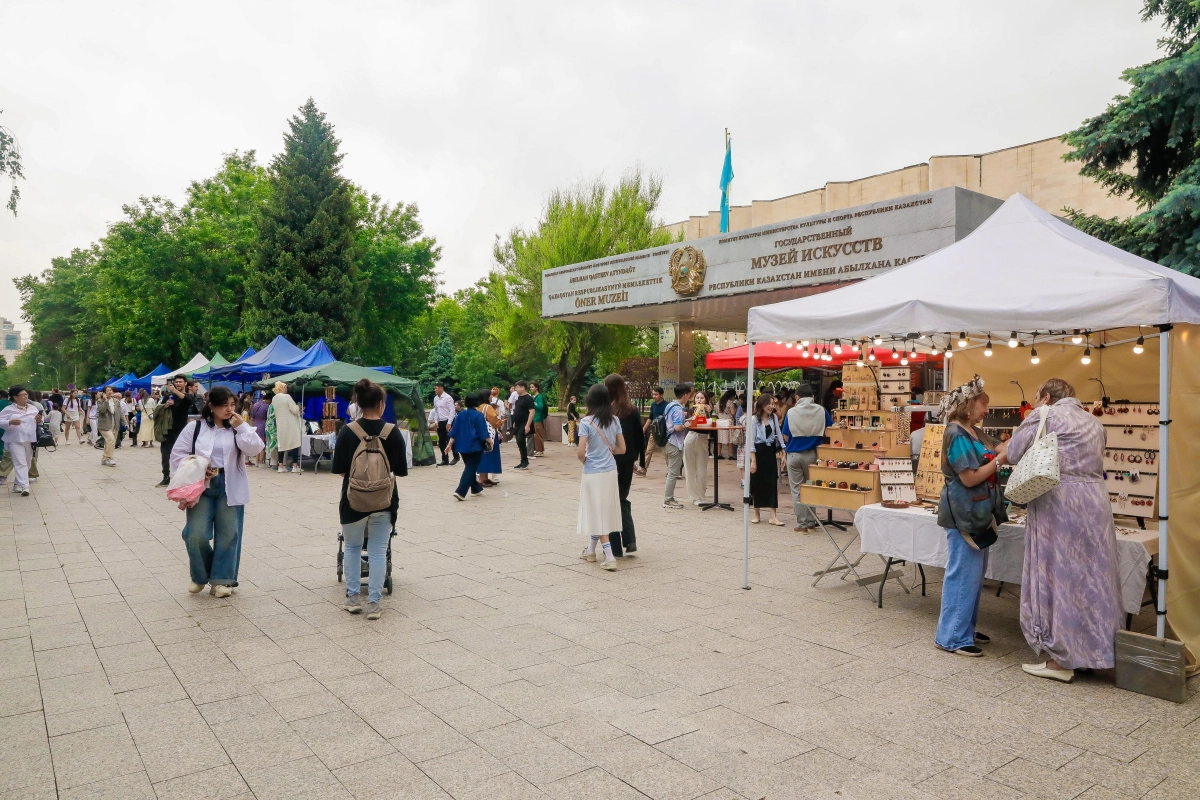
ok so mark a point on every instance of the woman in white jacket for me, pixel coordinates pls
(287, 428)
(19, 421)
(225, 439)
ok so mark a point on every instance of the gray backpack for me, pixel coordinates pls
(371, 482)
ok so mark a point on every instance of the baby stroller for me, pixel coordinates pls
(364, 567)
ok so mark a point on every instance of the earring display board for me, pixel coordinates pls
(929, 479)
(896, 479)
(1132, 441)
(860, 389)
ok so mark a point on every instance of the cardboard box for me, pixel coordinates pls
(1151, 666)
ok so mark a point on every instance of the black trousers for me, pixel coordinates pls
(522, 443)
(165, 450)
(470, 478)
(619, 540)
(443, 437)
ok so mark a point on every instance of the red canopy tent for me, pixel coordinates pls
(771, 356)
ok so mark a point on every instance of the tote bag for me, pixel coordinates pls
(1037, 471)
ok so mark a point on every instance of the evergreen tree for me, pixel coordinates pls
(304, 281)
(1146, 146)
(439, 365)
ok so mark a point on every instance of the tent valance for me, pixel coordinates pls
(772, 356)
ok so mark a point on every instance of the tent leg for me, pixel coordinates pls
(749, 450)
(1164, 421)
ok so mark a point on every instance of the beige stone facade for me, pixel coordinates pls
(1036, 170)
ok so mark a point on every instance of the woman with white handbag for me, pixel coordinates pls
(1070, 590)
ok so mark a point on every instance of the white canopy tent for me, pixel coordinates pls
(1021, 270)
(197, 361)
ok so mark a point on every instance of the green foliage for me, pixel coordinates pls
(1146, 146)
(439, 364)
(579, 224)
(304, 281)
(700, 348)
(10, 165)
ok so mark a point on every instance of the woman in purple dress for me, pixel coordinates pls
(1070, 591)
(258, 416)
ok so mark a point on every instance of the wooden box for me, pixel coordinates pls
(843, 499)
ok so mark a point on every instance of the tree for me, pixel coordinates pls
(10, 165)
(1146, 146)
(304, 282)
(439, 365)
(579, 224)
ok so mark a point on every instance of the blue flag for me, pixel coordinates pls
(726, 179)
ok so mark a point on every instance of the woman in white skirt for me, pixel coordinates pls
(600, 439)
(695, 453)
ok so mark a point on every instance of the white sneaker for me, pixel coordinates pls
(195, 588)
(609, 565)
(221, 591)
(281, 470)
(586, 556)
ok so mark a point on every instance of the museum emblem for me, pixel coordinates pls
(687, 270)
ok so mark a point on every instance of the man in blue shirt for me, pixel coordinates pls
(676, 432)
(803, 429)
(657, 408)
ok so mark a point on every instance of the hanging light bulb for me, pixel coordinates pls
(1012, 339)
(904, 361)
(779, 343)
(933, 348)
(894, 353)
(789, 344)
(871, 355)
(1140, 345)
(988, 350)
(878, 340)
(1087, 355)
(913, 352)
(1076, 338)
(837, 346)
(1033, 356)
(855, 347)
(860, 358)
(949, 353)
(804, 342)
(805, 353)
(962, 340)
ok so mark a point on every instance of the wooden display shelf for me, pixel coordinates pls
(859, 476)
(828, 451)
(888, 420)
(841, 499)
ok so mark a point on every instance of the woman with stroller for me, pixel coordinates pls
(351, 454)
(213, 533)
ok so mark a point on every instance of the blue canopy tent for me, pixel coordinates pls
(253, 367)
(124, 382)
(249, 352)
(144, 382)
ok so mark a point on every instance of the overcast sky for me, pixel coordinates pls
(474, 110)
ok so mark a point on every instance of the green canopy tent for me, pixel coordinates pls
(405, 393)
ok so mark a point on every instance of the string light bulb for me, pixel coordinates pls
(949, 352)
(789, 344)
(837, 346)
(855, 348)
(779, 343)
(962, 340)
(1076, 337)
(1012, 339)
(895, 354)
(871, 355)
(913, 352)
(988, 350)
(860, 359)
(805, 343)
(1140, 345)
(904, 361)
(805, 353)
(1033, 356)
(933, 348)
(878, 340)
(1087, 355)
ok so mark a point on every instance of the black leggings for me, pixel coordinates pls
(624, 537)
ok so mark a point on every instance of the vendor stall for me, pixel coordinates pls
(1029, 285)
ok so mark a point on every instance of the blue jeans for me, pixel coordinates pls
(470, 478)
(212, 518)
(377, 528)
(961, 588)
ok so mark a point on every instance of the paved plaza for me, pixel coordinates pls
(506, 667)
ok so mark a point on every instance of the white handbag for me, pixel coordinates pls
(1037, 471)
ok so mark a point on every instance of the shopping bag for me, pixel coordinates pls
(1037, 471)
(188, 481)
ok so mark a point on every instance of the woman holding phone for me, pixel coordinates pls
(213, 533)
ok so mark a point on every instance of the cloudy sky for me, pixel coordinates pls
(474, 110)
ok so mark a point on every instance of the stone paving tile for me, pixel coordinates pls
(507, 668)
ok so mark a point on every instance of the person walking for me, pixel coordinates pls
(676, 435)
(54, 416)
(804, 427)
(108, 420)
(970, 509)
(489, 462)
(658, 405)
(93, 432)
(258, 418)
(178, 405)
(19, 421)
(633, 430)
(1070, 589)
(287, 428)
(522, 421)
(695, 452)
(539, 419)
(368, 506)
(572, 420)
(146, 405)
(600, 442)
(764, 466)
(225, 439)
(469, 438)
(442, 416)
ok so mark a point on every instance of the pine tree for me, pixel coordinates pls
(439, 366)
(304, 282)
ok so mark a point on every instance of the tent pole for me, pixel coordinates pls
(1164, 422)
(748, 449)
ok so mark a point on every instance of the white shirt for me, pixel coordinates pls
(512, 399)
(501, 409)
(216, 444)
(353, 412)
(443, 407)
(27, 430)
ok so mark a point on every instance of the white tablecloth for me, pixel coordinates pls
(913, 534)
(328, 440)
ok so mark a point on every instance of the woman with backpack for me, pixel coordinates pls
(600, 442)
(368, 453)
(213, 533)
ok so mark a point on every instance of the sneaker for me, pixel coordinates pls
(24, 491)
(458, 496)
(195, 588)
(631, 548)
(374, 611)
(221, 591)
(982, 637)
(3, 480)
(672, 503)
(586, 556)
(162, 483)
(970, 651)
(609, 565)
(281, 470)
(353, 603)
(108, 462)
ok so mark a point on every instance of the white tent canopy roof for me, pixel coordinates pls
(197, 361)
(1022, 269)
